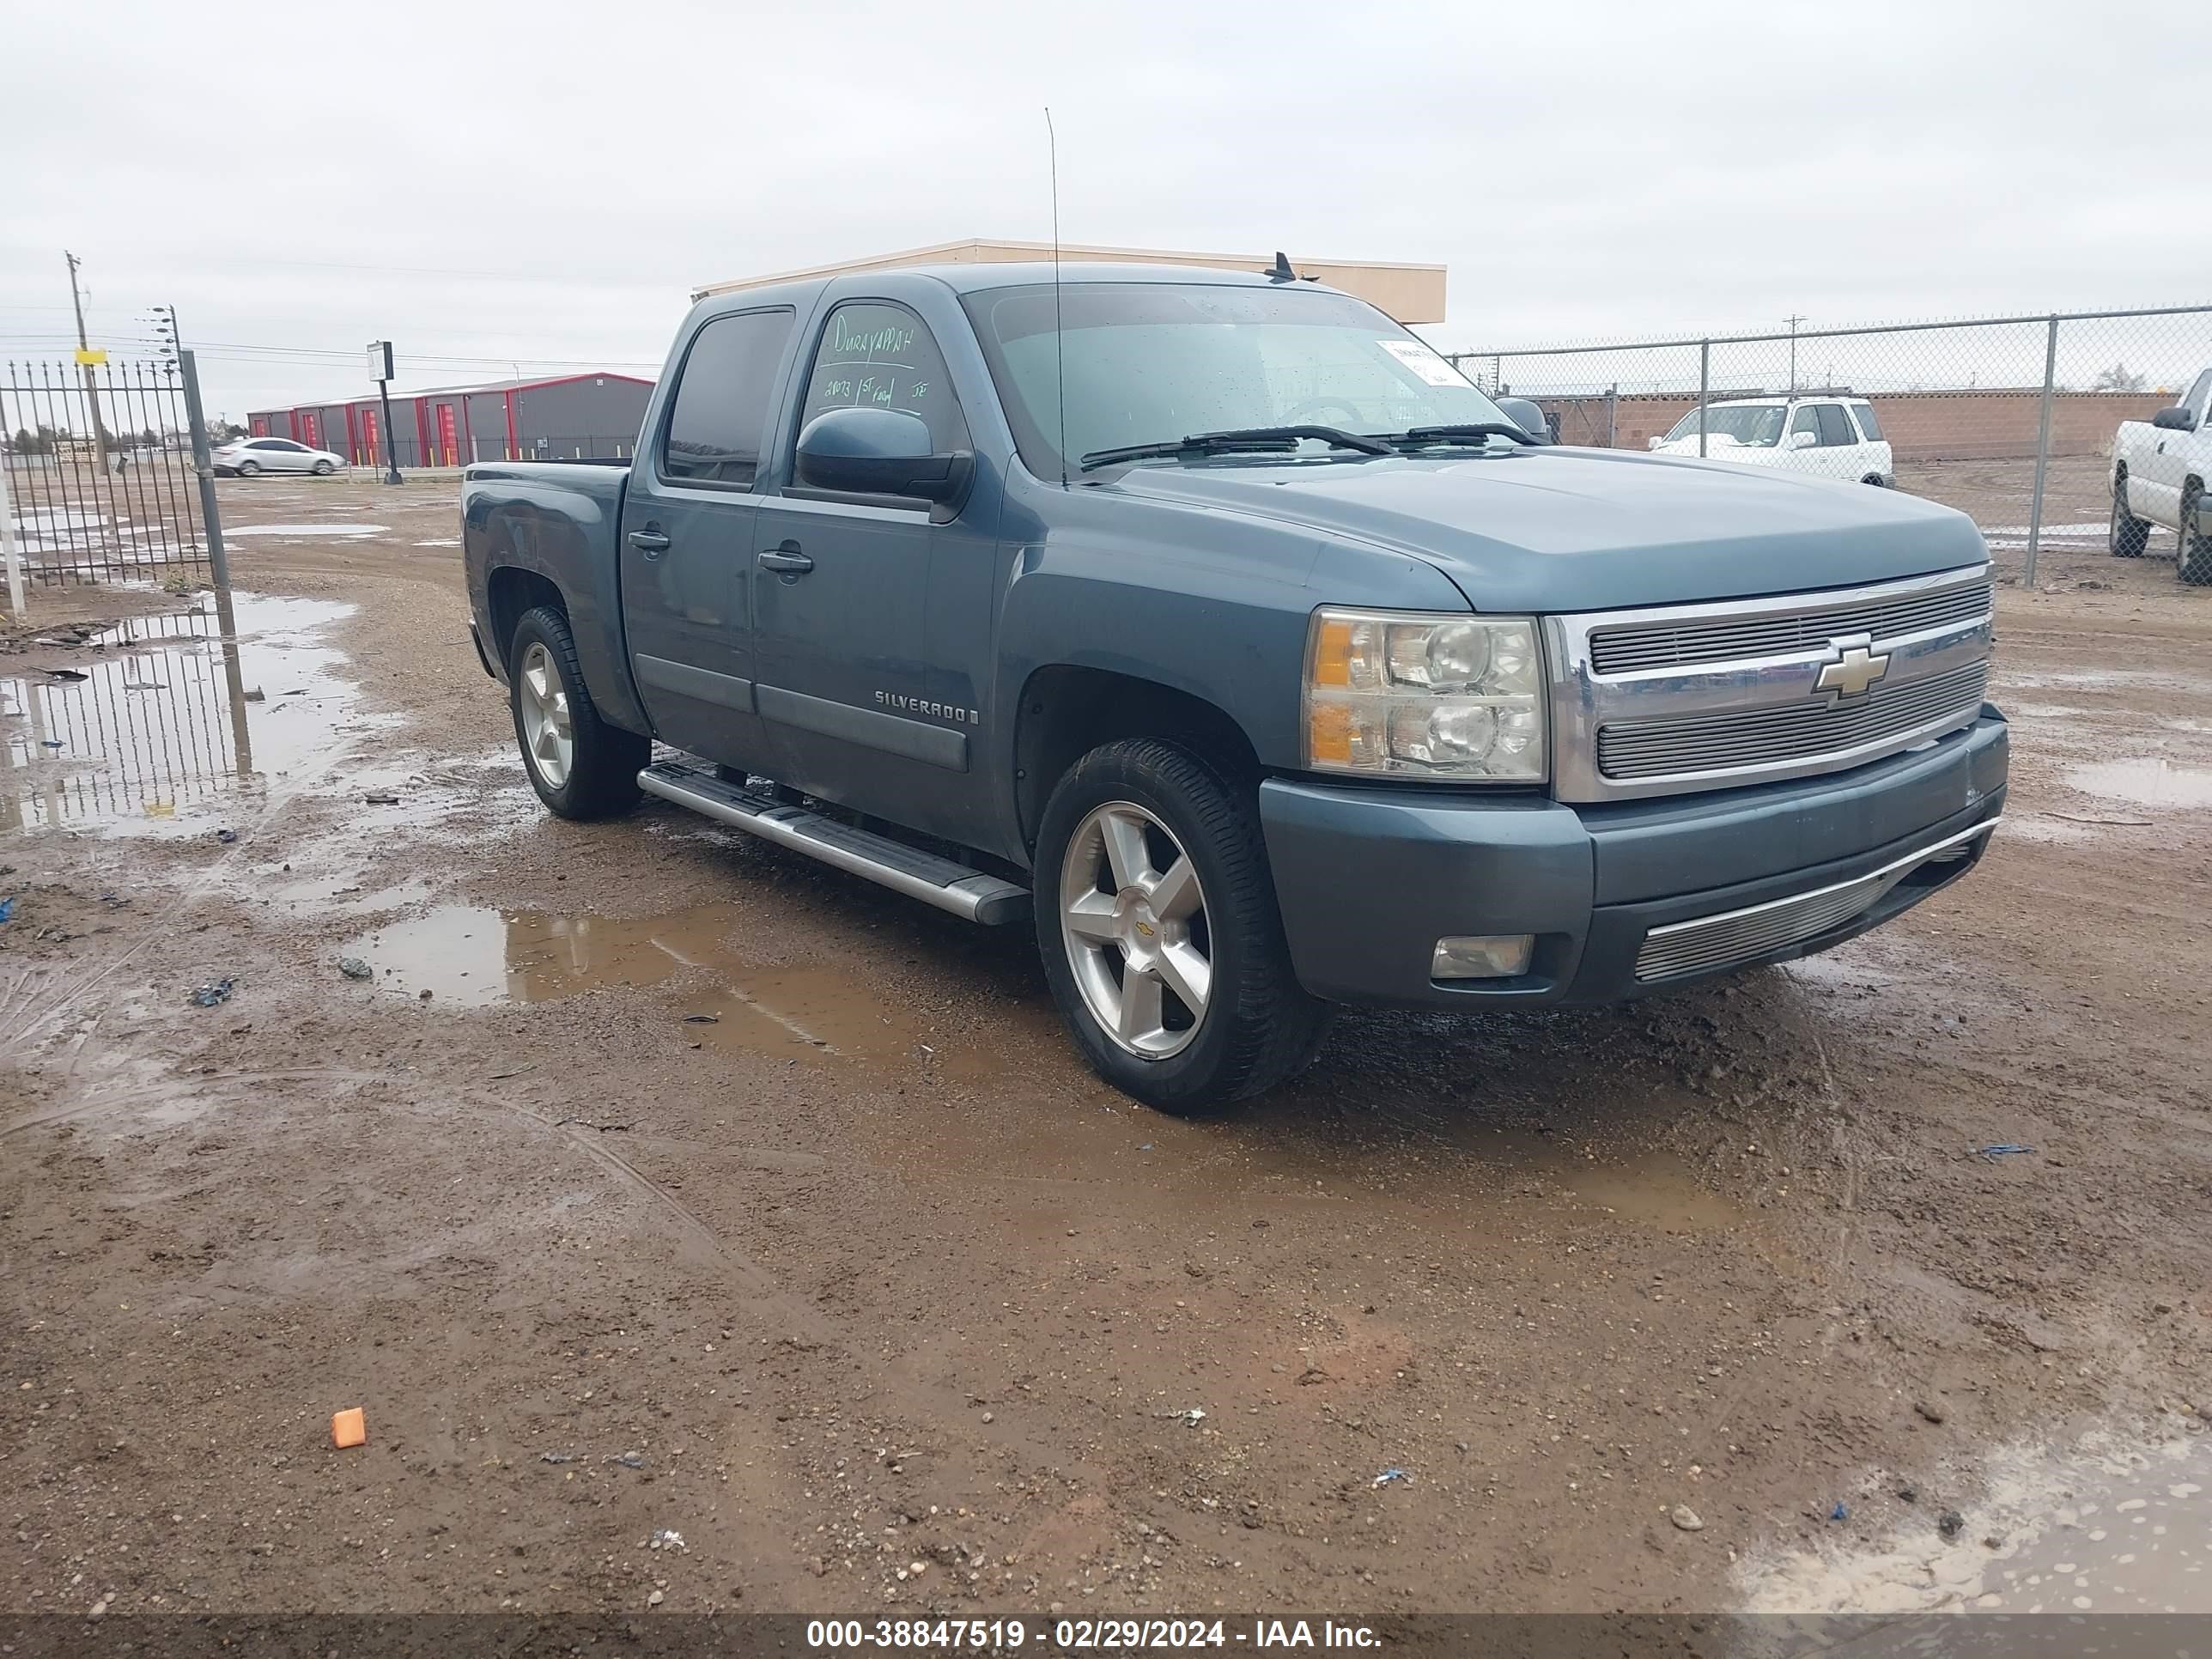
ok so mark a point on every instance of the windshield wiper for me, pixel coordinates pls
(1425, 437)
(1258, 438)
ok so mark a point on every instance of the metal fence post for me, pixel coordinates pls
(8, 545)
(1705, 390)
(2042, 452)
(203, 464)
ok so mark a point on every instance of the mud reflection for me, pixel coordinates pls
(169, 714)
(476, 957)
(2147, 780)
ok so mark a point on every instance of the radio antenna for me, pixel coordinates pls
(1058, 352)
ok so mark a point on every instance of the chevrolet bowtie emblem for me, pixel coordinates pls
(1854, 669)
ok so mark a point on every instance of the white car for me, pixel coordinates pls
(2159, 467)
(1831, 437)
(245, 456)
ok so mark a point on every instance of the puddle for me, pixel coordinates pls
(322, 529)
(2147, 781)
(165, 728)
(476, 957)
(441, 541)
(2109, 1527)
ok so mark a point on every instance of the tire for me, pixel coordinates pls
(2130, 535)
(593, 774)
(324, 468)
(1874, 478)
(249, 469)
(1256, 1026)
(2193, 561)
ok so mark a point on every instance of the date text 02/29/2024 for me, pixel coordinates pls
(1002, 1635)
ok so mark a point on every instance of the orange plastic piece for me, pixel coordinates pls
(349, 1428)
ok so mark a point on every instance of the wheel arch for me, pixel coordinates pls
(1066, 711)
(510, 591)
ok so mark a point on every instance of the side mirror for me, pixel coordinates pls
(1802, 440)
(1528, 415)
(1654, 442)
(880, 452)
(2177, 419)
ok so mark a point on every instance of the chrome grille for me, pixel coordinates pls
(1722, 941)
(1669, 699)
(1760, 737)
(1630, 650)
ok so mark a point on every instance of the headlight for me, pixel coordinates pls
(1409, 692)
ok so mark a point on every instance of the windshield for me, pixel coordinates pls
(1748, 423)
(1149, 362)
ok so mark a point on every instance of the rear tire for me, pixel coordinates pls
(581, 766)
(1216, 1014)
(249, 469)
(2130, 535)
(2193, 560)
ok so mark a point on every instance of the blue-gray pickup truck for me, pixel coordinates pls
(1218, 626)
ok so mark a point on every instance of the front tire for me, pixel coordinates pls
(581, 766)
(1156, 918)
(2130, 535)
(2193, 558)
(324, 468)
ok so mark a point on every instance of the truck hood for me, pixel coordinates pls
(1558, 529)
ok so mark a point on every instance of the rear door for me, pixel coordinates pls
(1881, 462)
(847, 690)
(687, 541)
(1843, 453)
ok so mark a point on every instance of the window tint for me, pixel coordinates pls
(722, 406)
(1868, 424)
(874, 356)
(268, 443)
(1835, 428)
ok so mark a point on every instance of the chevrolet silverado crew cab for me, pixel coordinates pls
(2158, 470)
(1216, 627)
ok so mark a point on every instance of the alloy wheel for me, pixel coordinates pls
(548, 738)
(1132, 919)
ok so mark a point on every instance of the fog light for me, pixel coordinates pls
(1482, 955)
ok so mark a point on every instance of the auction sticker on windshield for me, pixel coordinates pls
(1424, 362)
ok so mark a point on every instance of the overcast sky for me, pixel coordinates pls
(541, 184)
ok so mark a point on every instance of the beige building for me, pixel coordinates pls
(1412, 294)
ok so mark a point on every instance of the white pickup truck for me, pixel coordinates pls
(2159, 467)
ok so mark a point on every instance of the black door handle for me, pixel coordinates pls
(786, 559)
(650, 543)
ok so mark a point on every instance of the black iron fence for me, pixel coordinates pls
(96, 477)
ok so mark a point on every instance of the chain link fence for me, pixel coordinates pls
(2013, 420)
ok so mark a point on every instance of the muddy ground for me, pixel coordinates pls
(874, 1296)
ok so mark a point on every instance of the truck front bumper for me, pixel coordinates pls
(1624, 899)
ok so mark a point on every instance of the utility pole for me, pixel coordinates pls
(1793, 320)
(84, 360)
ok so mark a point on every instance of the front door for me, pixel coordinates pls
(687, 540)
(841, 591)
(2154, 489)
